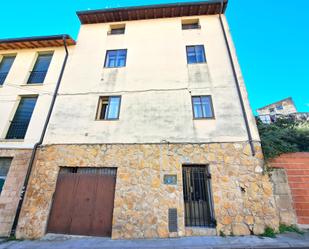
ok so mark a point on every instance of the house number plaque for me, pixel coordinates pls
(170, 179)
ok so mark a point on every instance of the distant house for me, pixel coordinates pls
(285, 107)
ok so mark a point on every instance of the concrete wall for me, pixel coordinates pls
(283, 197)
(296, 166)
(156, 86)
(15, 86)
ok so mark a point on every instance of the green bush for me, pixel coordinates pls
(284, 228)
(286, 135)
(269, 232)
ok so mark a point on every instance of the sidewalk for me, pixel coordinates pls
(287, 240)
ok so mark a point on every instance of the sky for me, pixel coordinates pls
(271, 38)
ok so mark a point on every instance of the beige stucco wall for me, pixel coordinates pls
(15, 86)
(11, 91)
(155, 86)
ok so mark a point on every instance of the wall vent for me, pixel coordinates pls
(172, 220)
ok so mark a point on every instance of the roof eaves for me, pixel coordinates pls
(154, 6)
(35, 42)
(35, 38)
(94, 14)
(277, 102)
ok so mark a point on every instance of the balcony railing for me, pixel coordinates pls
(17, 130)
(37, 77)
(2, 78)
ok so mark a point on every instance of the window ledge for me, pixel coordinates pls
(200, 63)
(11, 140)
(113, 34)
(113, 67)
(192, 29)
(201, 119)
(32, 84)
(107, 119)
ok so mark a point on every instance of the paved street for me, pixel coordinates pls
(288, 240)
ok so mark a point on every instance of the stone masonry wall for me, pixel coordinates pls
(296, 167)
(12, 187)
(283, 197)
(242, 195)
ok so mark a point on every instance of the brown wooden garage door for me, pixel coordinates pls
(83, 202)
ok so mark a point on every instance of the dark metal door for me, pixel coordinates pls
(83, 202)
(197, 197)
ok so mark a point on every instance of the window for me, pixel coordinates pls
(37, 75)
(118, 29)
(271, 110)
(5, 66)
(116, 58)
(279, 107)
(266, 119)
(190, 24)
(109, 108)
(21, 120)
(5, 163)
(196, 54)
(202, 107)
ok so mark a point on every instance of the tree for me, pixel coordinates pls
(283, 136)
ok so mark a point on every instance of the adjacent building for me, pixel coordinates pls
(29, 71)
(283, 108)
(152, 134)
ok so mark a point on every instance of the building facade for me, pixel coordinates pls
(29, 70)
(283, 108)
(152, 135)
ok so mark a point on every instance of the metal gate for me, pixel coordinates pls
(197, 196)
(83, 202)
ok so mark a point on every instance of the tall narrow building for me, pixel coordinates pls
(29, 72)
(152, 134)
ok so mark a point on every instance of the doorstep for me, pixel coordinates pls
(200, 231)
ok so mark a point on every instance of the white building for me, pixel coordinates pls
(284, 107)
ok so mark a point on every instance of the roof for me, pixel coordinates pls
(35, 42)
(277, 102)
(210, 7)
